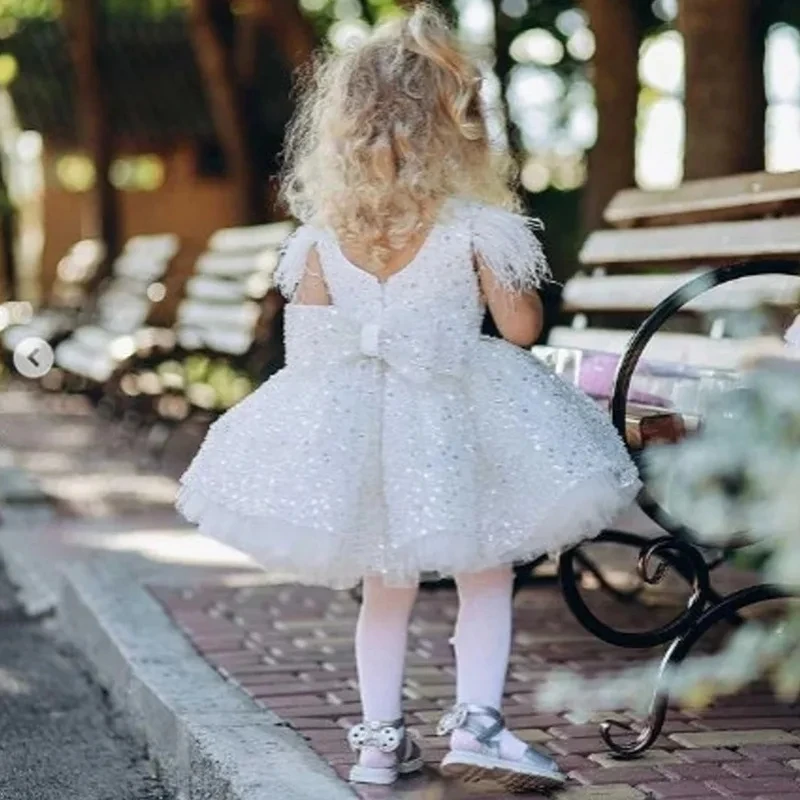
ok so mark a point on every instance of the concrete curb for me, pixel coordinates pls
(209, 738)
(35, 576)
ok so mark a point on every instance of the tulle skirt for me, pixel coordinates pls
(329, 473)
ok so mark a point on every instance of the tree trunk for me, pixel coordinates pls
(7, 238)
(84, 27)
(725, 96)
(615, 66)
(212, 27)
(288, 29)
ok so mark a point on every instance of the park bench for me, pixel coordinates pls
(685, 269)
(60, 316)
(221, 343)
(87, 358)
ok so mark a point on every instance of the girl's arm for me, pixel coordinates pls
(519, 316)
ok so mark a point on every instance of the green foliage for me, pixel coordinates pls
(48, 9)
(144, 8)
(27, 9)
(325, 13)
(212, 383)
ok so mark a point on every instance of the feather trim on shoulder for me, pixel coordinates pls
(508, 245)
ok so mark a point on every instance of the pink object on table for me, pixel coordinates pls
(792, 335)
(597, 379)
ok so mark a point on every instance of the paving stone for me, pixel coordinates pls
(437, 691)
(428, 716)
(330, 747)
(629, 775)
(775, 752)
(594, 744)
(708, 755)
(752, 787)
(733, 738)
(532, 735)
(583, 746)
(324, 709)
(524, 717)
(241, 658)
(757, 769)
(679, 789)
(277, 670)
(573, 762)
(310, 723)
(653, 758)
(342, 693)
(779, 796)
(428, 674)
(767, 710)
(299, 687)
(573, 731)
(745, 723)
(598, 717)
(332, 734)
(307, 702)
(695, 772)
(616, 791)
(342, 770)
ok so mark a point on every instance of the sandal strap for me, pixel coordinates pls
(472, 718)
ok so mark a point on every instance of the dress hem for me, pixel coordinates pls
(578, 513)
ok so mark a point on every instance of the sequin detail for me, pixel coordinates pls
(398, 440)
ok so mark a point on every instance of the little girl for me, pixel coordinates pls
(398, 440)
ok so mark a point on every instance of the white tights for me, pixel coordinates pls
(482, 643)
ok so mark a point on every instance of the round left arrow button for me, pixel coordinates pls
(33, 357)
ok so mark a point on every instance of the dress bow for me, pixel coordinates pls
(416, 345)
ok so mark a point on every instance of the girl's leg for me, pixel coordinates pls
(483, 644)
(381, 637)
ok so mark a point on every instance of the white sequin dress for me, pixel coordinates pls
(398, 439)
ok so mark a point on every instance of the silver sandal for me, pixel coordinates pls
(533, 772)
(388, 737)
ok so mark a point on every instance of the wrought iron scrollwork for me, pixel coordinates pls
(677, 652)
(681, 557)
(679, 549)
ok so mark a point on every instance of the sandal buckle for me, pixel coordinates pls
(453, 719)
(385, 736)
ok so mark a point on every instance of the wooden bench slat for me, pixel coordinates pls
(695, 244)
(230, 342)
(72, 357)
(204, 287)
(156, 245)
(686, 348)
(194, 313)
(141, 266)
(227, 265)
(256, 237)
(641, 293)
(754, 194)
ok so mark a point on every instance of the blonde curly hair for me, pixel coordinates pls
(385, 132)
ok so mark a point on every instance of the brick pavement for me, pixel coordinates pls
(290, 648)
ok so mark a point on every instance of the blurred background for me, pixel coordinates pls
(126, 117)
